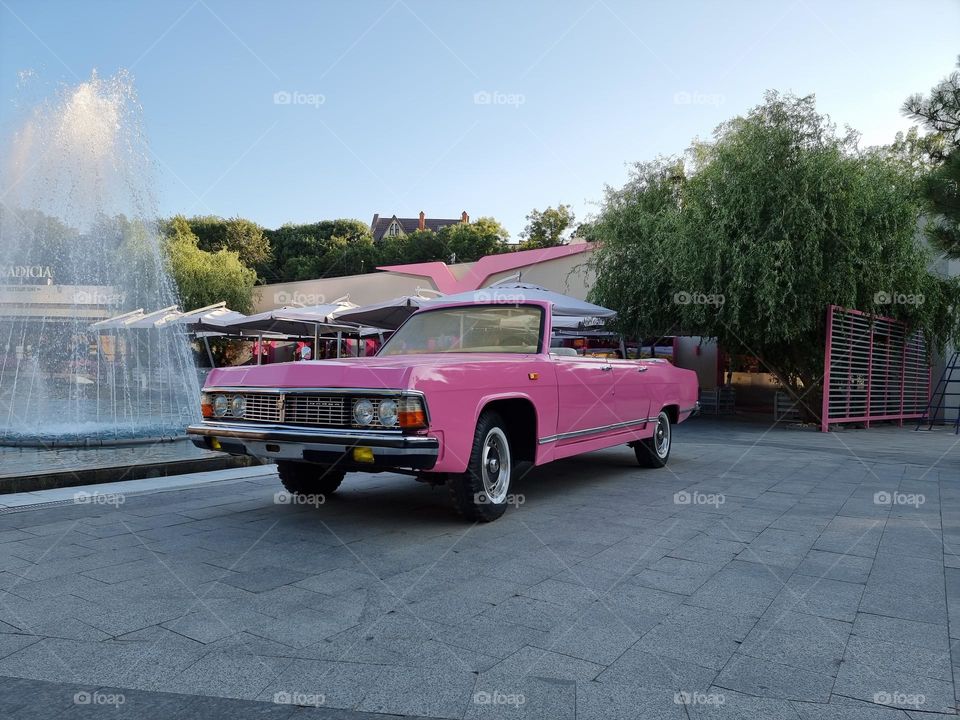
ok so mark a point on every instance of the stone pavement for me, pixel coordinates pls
(781, 574)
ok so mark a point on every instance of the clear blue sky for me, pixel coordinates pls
(577, 90)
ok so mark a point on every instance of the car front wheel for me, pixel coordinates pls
(655, 450)
(482, 493)
(308, 479)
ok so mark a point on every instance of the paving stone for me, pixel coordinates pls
(263, 579)
(228, 675)
(894, 688)
(842, 709)
(898, 630)
(698, 636)
(899, 657)
(819, 596)
(337, 684)
(608, 701)
(540, 663)
(836, 566)
(676, 575)
(432, 692)
(820, 649)
(599, 635)
(643, 669)
(773, 680)
(524, 698)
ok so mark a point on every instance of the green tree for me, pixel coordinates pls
(467, 242)
(242, 236)
(204, 278)
(329, 248)
(940, 113)
(548, 228)
(773, 221)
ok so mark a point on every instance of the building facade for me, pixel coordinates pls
(393, 226)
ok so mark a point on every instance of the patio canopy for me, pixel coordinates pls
(138, 319)
(297, 321)
(389, 314)
(563, 305)
(156, 319)
(119, 321)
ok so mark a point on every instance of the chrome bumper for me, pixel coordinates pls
(325, 446)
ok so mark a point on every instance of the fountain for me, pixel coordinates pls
(79, 242)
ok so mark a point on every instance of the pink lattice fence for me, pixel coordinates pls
(874, 370)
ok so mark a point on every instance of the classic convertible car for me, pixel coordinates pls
(460, 395)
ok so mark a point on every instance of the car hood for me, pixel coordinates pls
(396, 372)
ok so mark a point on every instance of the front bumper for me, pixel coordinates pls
(325, 446)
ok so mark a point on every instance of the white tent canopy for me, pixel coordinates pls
(389, 314)
(518, 292)
(156, 319)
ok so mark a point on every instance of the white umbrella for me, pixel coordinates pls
(389, 314)
(119, 321)
(516, 292)
(289, 320)
(156, 319)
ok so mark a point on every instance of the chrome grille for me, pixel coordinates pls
(262, 407)
(302, 408)
(328, 410)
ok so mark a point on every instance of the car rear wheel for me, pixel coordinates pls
(308, 479)
(482, 492)
(655, 450)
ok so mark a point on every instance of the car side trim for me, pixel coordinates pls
(594, 430)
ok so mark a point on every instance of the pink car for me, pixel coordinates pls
(461, 395)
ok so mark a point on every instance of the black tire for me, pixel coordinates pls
(307, 479)
(472, 498)
(655, 451)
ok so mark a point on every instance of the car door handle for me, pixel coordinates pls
(606, 368)
(642, 368)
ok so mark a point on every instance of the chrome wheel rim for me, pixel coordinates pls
(661, 436)
(495, 466)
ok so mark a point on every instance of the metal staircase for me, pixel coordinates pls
(940, 398)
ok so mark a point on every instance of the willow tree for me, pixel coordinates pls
(752, 236)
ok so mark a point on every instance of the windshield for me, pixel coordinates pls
(469, 329)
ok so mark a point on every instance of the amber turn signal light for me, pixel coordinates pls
(410, 413)
(206, 405)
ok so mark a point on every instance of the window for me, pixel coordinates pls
(512, 329)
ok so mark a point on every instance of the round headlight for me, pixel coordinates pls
(220, 405)
(238, 406)
(388, 412)
(363, 412)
